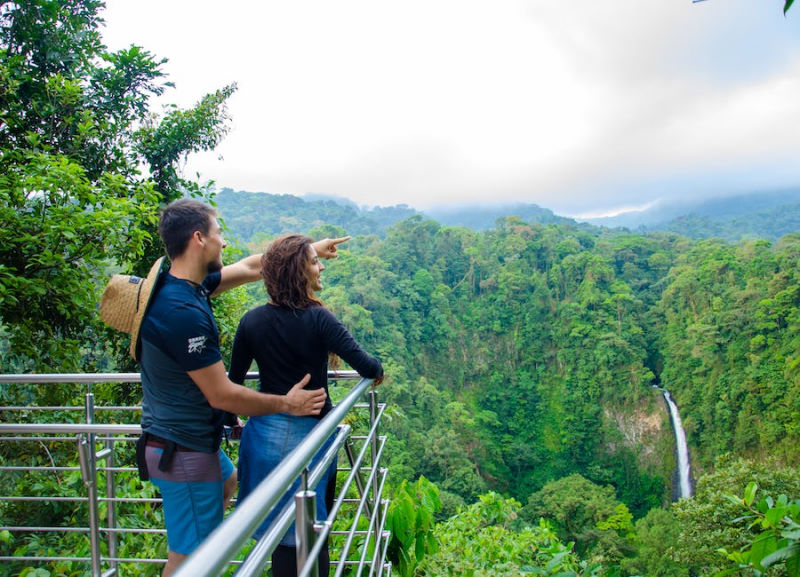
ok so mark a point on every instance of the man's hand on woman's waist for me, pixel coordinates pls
(301, 402)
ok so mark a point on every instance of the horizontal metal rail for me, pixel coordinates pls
(92, 378)
(69, 429)
(98, 470)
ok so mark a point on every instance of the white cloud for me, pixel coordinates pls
(581, 105)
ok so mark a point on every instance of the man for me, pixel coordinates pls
(184, 382)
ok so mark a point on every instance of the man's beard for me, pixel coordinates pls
(214, 266)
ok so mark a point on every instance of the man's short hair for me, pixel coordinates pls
(179, 220)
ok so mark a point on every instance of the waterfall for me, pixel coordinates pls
(681, 447)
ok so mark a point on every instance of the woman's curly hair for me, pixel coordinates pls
(284, 269)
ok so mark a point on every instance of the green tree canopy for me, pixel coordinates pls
(584, 513)
(75, 136)
(489, 538)
(705, 519)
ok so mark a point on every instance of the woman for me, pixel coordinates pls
(289, 337)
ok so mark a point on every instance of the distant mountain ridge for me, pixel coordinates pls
(485, 217)
(768, 215)
(248, 214)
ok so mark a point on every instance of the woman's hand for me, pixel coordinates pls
(236, 430)
(326, 248)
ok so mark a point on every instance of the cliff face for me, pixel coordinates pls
(645, 430)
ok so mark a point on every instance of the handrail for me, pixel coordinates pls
(70, 428)
(224, 543)
(92, 378)
(82, 378)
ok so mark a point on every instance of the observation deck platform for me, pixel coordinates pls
(71, 499)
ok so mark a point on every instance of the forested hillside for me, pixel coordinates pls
(526, 354)
(538, 345)
(744, 217)
(769, 223)
(769, 215)
(254, 215)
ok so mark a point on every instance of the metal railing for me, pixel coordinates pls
(355, 525)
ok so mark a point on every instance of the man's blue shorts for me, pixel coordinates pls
(192, 494)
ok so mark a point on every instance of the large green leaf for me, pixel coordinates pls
(763, 545)
(789, 555)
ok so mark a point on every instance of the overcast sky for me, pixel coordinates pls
(583, 107)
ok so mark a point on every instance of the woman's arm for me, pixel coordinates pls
(340, 342)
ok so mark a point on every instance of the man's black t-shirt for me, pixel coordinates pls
(179, 334)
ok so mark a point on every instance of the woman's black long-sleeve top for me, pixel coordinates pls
(286, 344)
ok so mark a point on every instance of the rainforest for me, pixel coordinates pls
(524, 362)
(528, 432)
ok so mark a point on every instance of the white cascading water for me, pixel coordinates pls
(682, 448)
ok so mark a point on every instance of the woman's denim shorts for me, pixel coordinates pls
(266, 440)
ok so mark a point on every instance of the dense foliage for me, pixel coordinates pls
(778, 542)
(85, 165)
(767, 215)
(487, 538)
(76, 132)
(524, 356)
(255, 216)
(514, 349)
(711, 521)
(729, 342)
(411, 519)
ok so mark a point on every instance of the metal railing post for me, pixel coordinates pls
(348, 448)
(376, 490)
(88, 459)
(111, 494)
(305, 503)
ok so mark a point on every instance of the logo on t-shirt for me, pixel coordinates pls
(197, 344)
